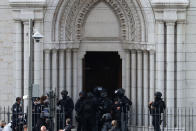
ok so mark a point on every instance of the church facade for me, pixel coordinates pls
(142, 46)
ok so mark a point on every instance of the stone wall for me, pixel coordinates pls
(190, 54)
(7, 68)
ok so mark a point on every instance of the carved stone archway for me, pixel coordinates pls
(71, 21)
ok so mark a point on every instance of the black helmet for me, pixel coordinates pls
(82, 94)
(158, 94)
(64, 93)
(97, 90)
(89, 95)
(104, 93)
(120, 92)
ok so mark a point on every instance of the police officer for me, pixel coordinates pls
(88, 113)
(66, 107)
(105, 108)
(17, 115)
(156, 108)
(121, 107)
(78, 110)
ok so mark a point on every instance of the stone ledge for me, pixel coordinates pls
(177, 4)
(28, 3)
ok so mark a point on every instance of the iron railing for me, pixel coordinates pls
(180, 119)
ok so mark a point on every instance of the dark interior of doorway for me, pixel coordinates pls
(102, 69)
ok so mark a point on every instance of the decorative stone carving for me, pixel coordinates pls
(73, 19)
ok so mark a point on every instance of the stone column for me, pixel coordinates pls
(139, 88)
(26, 63)
(47, 80)
(54, 70)
(170, 64)
(80, 70)
(18, 55)
(61, 70)
(180, 74)
(133, 86)
(160, 84)
(180, 63)
(170, 72)
(68, 71)
(152, 74)
(75, 75)
(145, 86)
(151, 77)
(128, 72)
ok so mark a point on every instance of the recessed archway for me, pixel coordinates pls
(102, 69)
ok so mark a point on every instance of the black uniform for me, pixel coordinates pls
(120, 109)
(17, 117)
(66, 109)
(78, 110)
(156, 108)
(88, 110)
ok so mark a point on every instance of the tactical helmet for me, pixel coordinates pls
(97, 90)
(89, 95)
(64, 93)
(120, 92)
(104, 94)
(158, 94)
(82, 94)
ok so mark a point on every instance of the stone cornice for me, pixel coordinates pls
(127, 45)
(170, 10)
(27, 3)
(162, 4)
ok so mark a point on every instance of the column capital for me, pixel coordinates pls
(160, 21)
(47, 51)
(139, 51)
(54, 50)
(61, 50)
(152, 52)
(170, 23)
(133, 51)
(145, 51)
(26, 22)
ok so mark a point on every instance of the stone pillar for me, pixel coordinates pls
(75, 75)
(145, 86)
(180, 74)
(133, 86)
(152, 74)
(128, 72)
(54, 70)
(26, 63)
(61, 70)
(151, 77)
(170, 72)
(18, 54)
(139, 88)
(160, 84)
(47, 80)
(80, 70)
(180, 64)
(68, 71)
